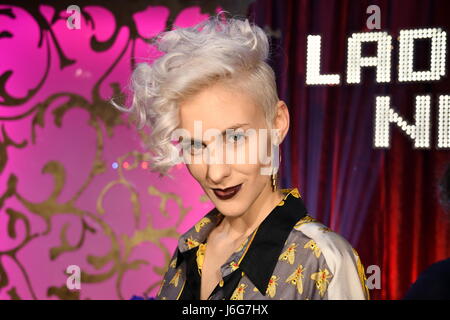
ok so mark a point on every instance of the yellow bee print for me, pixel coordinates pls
(175, 278)
(289, 254)
(234, 265)
(305, 219)
(200, 256)
(191, 243)
(272, 287)
(204, 221)
(311, 244)
(325, 229)
(173, 263)
(238, 293)
(296, 278)
(295, 193)
(321, 279)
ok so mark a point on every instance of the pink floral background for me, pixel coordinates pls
(75, 187)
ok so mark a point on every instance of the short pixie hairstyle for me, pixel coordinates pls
(221, 49)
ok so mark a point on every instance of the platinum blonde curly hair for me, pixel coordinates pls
(222, 49)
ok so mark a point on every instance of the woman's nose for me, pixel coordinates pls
(217, 172)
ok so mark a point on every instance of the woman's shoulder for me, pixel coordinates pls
(333, 245)
(341, 258)
(321, 234)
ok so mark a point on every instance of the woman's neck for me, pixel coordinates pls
(244, 225)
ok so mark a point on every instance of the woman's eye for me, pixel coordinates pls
(196, 148)
(193, 148)
(197, 145)
(236, 137)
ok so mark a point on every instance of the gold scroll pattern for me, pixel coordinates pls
(121, 245)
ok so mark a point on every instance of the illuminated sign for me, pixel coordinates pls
(420, 131)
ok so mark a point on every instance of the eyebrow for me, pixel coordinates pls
(233, 127)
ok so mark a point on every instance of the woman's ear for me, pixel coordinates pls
(281, 120)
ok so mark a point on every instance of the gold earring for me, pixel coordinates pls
(274, 176)
(274, 182)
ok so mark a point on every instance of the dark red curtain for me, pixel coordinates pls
(384, 201)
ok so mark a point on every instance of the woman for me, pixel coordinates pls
(213, 84)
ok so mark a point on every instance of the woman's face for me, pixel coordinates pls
(220, 108)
